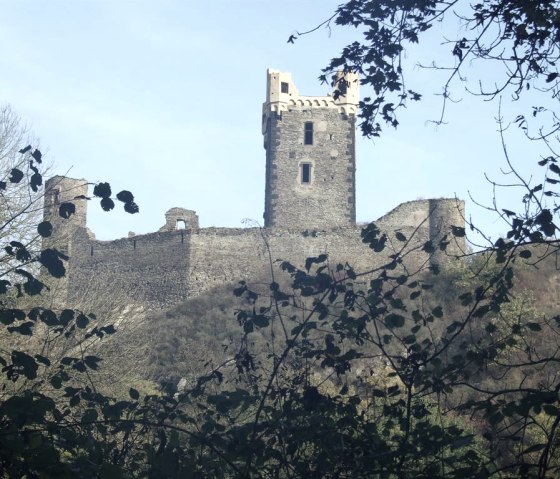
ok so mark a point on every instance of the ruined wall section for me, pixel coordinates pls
(224, 255)
(61, 191)
(58, 191)
(429, 220)
(159, 270)
(444, 213)
(220, 256)
(148, 270)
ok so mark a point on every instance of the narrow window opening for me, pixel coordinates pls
(284, 87)
(330, 136)
(306, 173)
(180, 225)
(343, 87)
(56, 197)
(308, 133)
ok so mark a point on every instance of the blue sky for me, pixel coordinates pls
(164, 99)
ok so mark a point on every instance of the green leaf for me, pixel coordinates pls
(90, 415)
(133, 393)
(42, 360)
(131, 207)
(248, 326)
(496, 418)
(490, 328)
(429, 247)
(92, 362)
(370, 236)
(82, 321)
(25, 329)
(48, 317)
(394, 320)
(534, 448)
(51, 259)
(551, 77)
(410, 339)
(481, 311)
(56, 382)
(466, 298)
(65, 210)
(44, 229)
(260, 320)
(544, 220)
(393, 390)
(16, 175)
(66, 315)
(458, 231)
(125, 196)
(35, 181)
(551, 410)
(37, 156)
(102, 190)
(107, 204)
(26, 363)
(415, 294)
(8, 316)
(4, 286)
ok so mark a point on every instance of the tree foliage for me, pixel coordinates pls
(50, 411)
(20, 200)
(518, 40)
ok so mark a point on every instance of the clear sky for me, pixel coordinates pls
(164, 98)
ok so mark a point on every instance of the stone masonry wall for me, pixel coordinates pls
(148, 270)
(159, 270)
(329, 198)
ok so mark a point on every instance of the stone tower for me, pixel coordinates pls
(310, 154)
(58, 190)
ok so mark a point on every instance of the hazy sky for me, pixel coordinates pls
(164, 98)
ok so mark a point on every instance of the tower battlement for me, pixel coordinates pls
(282, 94)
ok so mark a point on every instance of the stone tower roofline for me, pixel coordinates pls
(282, 94)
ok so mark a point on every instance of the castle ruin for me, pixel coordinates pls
(310, 209)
